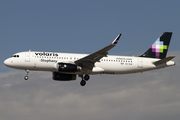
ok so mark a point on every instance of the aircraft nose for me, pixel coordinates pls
(7, 62)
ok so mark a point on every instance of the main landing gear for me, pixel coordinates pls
(84, 79)
(26, 77)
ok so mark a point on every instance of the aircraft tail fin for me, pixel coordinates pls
(160, 47)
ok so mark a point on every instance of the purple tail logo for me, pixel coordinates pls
(158, 47)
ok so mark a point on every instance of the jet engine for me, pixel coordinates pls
(67, 67)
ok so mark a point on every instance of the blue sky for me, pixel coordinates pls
(81, 26)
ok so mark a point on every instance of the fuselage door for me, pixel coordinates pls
(140, 62)
(27, 56)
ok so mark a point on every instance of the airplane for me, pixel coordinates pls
(66, 66)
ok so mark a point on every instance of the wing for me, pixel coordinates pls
(87, 63)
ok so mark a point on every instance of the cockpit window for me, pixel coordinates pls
(15, 56)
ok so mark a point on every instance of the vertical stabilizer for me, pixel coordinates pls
(160, 47)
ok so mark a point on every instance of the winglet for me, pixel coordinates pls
(116, 39)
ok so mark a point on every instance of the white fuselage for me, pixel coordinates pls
(47, 61)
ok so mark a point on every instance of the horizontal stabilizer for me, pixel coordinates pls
(163, 60)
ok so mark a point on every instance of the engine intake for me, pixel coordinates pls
(67, 67)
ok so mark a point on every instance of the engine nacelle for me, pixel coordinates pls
(67, 67)
(63, 77)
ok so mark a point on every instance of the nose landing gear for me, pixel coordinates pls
(26, 77)
(84, 79)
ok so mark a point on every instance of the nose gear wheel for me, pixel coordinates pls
(26, 77)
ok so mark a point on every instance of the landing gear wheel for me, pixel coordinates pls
(83, 83)
(26, 77)
(86, 77)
